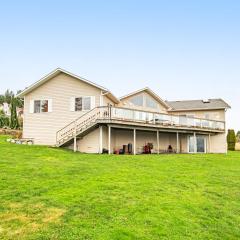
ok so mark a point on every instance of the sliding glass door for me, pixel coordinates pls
(199, 146)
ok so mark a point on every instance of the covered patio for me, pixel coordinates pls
(139, 140)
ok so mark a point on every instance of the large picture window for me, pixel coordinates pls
(137, 100)
(142, 100)
(151, 103)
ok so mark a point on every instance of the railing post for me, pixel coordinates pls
(109, 113)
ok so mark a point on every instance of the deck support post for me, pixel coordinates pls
(195, 142)
(109, 139)
(158, 146)
(100, 139)
(75, 138)
(209, 143)
(75, 144)
(177, 142)
(134, 141)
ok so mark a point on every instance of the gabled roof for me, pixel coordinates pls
(198, 104)
(55, 73)
(150, 92)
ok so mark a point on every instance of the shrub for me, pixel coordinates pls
(4, 121)
(231, 140)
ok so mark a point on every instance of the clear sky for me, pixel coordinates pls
(180, 49)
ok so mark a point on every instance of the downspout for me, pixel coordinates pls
(101, 97)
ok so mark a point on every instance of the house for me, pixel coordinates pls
(65, 110)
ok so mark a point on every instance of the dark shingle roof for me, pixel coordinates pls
(198, 104)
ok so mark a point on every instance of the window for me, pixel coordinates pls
(137, 100)
(82, 103)
(78, 104)
(37, 104)
(151, 103)
(206, 116)
(200, 144)
(41, 106)
(44, 106)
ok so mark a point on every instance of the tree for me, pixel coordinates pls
(14, 124)
(19, 101)
(231, 140)
(8, 96)
(238, 136)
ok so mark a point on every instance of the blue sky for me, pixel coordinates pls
(180, 49)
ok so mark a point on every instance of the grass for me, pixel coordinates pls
(48, 193)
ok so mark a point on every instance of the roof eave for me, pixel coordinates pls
(53, 74)
(197, 109)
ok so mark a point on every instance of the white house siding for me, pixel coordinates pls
(42, 127)
(218, 143)
(107, 101)
(218, 115)
(89, 143)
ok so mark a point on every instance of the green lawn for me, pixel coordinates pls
(48, 193)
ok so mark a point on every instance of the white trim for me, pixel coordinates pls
(93, 102)
(50, 103)
(32, 105)
(72, 104)
(194, 109)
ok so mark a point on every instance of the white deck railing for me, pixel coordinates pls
(134, 116)
(165, 119)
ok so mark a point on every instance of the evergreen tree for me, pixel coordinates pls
(231, 140)
(14, 124)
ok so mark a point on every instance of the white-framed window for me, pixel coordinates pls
(40, 106)
(83, 103)
(137, 100)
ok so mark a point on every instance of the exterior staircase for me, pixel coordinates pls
(81, 125)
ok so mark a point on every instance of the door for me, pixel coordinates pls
(200, 144)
